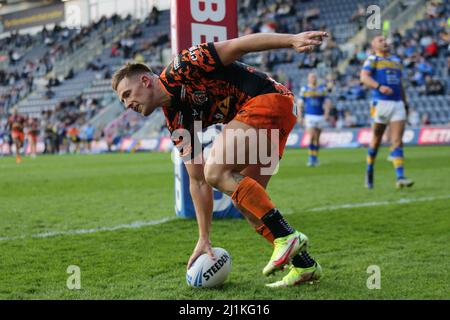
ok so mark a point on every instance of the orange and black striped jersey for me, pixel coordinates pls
(203, 89)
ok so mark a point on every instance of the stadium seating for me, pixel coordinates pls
(94, 52)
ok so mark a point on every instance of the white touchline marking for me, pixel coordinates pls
(132, 225)
(141, 224)
(377, 203)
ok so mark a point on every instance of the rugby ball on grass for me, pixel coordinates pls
(208, 273)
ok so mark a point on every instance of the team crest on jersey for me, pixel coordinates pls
(224, 105)
(199, 97)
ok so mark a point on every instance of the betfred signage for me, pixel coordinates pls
(337, 139)
(434, 136)
(197, 21)
(330, 139)
(365, 136)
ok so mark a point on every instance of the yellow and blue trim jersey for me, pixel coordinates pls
(313, 99)
(387, 71)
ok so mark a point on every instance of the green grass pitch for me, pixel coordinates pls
(57, 196)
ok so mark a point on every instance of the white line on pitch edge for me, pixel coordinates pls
(377, 203)
(133, 225)
(141, 224)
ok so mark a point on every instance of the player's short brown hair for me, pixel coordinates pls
(130, 69)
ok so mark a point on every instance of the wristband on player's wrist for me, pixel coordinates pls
(378, 87)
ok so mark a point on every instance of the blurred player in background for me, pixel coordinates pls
(314, 108)
(33, 134)
(74, 137)
(16, 124)
(205, 83)
(383, 73)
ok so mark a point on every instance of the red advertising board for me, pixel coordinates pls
(434, 136)
(197, 21)
(365, 136)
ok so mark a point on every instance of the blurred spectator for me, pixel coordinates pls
(358, 57)
(425, 119)
(107, 74)
(309, 61)
(444, 39)
(413, 117)
(153, 17)
(355, 90)
(433, 86)
(396, 38)
(14, 57)
(49, 139)
(115, 49)
(137, 32)
(432, 10)
(330, 81)
(95, 65)
(88, 135)
(332, 116)
(268, 27)
(53, 82)
(359, 16)
(280, 76)
(288, 84)
(448, 65)
(49, 94)
(432, 49)
(426, 39)
(127, 45)
(61, 139)
(311, 13)
(349, 119)
(138, 57)
(69, 75)
(286, 9)
(423, 69)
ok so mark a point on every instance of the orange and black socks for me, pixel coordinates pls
(253, 197)
(303, 260)
(277, 224)
(265, 232)
(250, 195)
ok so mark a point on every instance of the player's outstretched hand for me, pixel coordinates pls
(203, 246)
(306, 41)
